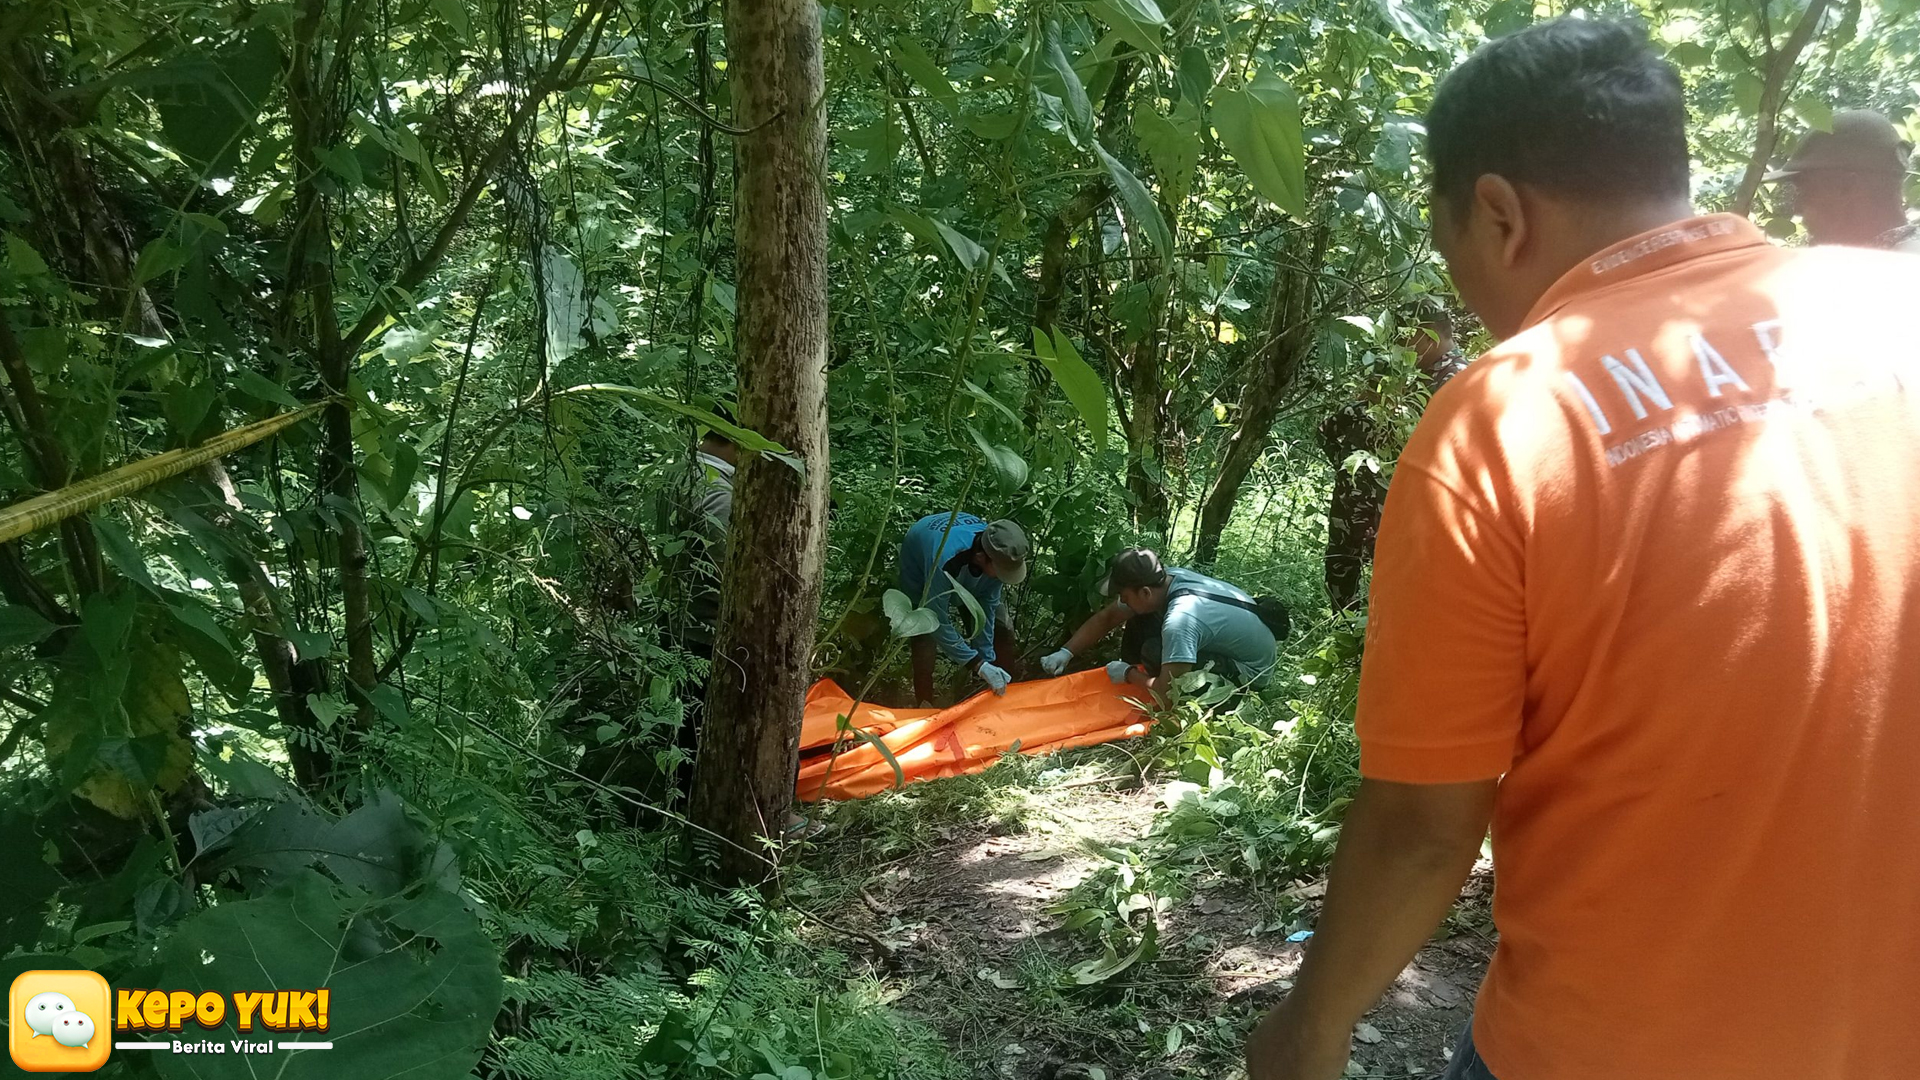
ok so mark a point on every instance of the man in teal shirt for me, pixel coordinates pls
(1176, 620)
(945, 548)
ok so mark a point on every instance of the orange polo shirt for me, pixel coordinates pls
(1655, 561)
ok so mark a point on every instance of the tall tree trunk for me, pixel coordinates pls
(770, 599)
(1291, 324)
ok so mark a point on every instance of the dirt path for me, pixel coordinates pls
(977, 952)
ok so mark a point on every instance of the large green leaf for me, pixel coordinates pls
(1260, 125)
(1008, 466)
(1079, 108)
(922, 70)
(1408, 23)
(970, 254)
(1173, 145)
(413, 983)
(1142, 211)
(207, 104)
(1077, 380)
(21, 626)
(1195, 76)
(908, 621)
(969, 601)
(1133, 21)
(745, 438)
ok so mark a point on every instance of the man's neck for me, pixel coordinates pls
(1609, 226)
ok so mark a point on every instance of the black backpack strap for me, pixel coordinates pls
(1244, 605)
(1275, 620)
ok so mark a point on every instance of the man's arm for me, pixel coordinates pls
(947, 636)
(1404, 852)
(1161, 685)
(1098, 625)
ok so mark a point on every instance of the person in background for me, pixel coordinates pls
(1847, 184)
(1645, 600)
(1175, 620)
(1353, 514)
(945, 548)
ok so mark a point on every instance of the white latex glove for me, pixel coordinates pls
(997, 678)
(1056, 662)
(1117, 670)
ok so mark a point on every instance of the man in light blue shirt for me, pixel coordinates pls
(1176, 620)
(947, 548)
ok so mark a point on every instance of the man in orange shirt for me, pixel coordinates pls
(1670, 531)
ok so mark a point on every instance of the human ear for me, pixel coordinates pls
(1500, 210)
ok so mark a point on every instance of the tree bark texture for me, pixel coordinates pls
(770, 598)
(1292, 322)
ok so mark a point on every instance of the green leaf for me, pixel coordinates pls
(886, 754)
(389, 702)
(23, 259)
(211, 648)
(1685, 54)
(327, 708)
(908, 621)
(1195, 76)
(308, 646)
(968, 601)
(920, 67)
(413, 982)
(995, 126)
(161, 256)
(258, 386)
(1747, 91)
(1507, 16)
(1142, 211)
(1393, 153)
(342, 162)
(1260, 125)
(1099, 971)
(1122, 15)
(21, 626)
(1079, 108)
(208, 102)
(970, 254)
(1008, 466)
(1144, 12)
(1174, 149)
(744, 438)
(1408, 23)
(1077, 380)
(1817, 114)
(975, 391)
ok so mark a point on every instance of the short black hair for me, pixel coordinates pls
(1577, 107)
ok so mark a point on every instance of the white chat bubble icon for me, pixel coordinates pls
(73, 1029)
(46, 1010)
